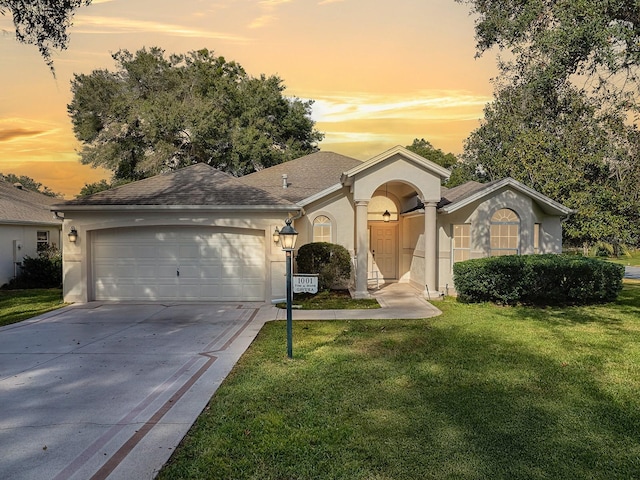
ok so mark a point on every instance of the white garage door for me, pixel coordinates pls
(178, 264)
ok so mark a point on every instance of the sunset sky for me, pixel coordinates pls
(381, 72)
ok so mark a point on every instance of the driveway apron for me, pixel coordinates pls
(101, 391)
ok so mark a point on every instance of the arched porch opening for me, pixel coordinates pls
(395, 243)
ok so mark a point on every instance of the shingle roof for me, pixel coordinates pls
(456, 194)
(198, 184)
(457, 197)
(24, 206)
(306, 175)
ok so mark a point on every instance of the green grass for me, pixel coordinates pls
(331, 300)
(17, 305)
(633, 259)
(480, 392)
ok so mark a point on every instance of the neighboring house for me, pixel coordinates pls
(27, 224)
(200, 234)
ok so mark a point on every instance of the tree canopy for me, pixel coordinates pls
(155, 114)
(43, 23)
(594, 42)
(564, 146)
(424, 148)
(562, 116)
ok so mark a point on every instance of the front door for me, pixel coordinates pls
(384, 250)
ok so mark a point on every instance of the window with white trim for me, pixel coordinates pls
(42, 240)
(461, 245)
(505, 233)
(322, 229)
(536, 238)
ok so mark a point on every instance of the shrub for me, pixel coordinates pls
(538, 280)
(43, 271)
(331, 262)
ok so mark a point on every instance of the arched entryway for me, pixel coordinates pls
(407, 177)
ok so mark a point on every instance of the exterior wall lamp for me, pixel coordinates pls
(73, 235)
(276, 236)
(288, 237)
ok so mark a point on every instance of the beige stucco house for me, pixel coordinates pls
(200, 234)
(26, 224)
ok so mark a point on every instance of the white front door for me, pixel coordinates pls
(384, 250)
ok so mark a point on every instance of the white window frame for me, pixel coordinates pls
(504, 250)
(454, 238)
(536, 238)
(320, 222)
(40, 243)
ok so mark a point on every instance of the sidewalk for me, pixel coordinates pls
(397, 300)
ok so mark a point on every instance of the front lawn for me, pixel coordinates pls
(480, 392)
(17, 305)
(632, 259)
(330, 300)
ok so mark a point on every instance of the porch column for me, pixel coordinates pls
(362, 254)
(430, 249)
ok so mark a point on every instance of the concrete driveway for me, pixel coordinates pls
(108, 390)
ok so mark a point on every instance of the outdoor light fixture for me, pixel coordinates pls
(73, 235)
(288, 236)
(276, 235)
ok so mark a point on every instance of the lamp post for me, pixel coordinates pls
(288, 236)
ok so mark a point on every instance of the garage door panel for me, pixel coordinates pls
(142, 263)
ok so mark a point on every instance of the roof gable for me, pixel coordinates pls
(458, 197)
(432, 167)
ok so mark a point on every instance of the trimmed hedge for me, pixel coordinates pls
(331, 262)
(547, 279)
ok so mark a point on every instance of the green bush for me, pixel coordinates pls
(538, 280)
(331, 262)
(43, 271)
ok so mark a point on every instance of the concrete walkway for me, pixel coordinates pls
(397, 300)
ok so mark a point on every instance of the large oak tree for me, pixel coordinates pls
(156, 113)
(562, 119)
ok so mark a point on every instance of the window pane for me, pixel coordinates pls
(505, 233)
(461, 242)
(322, 229)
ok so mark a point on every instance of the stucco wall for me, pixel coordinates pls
(26, 236)
(339, 208)
(479, 216)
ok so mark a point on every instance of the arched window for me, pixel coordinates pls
(321, 229)
(505, 233)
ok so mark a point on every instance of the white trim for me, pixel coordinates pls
(555, 207)
(31, 224)
(243, 208)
